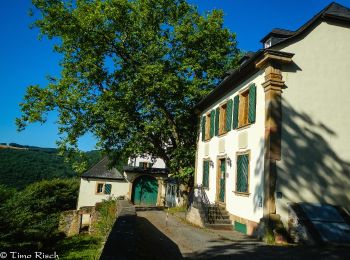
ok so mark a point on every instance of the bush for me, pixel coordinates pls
(106, 216)
(31, 216)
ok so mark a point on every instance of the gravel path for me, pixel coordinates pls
(157, 238)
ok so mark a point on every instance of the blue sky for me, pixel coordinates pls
(24, 60)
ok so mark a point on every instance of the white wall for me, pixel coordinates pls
(87, 191)
(157, 162)
(315, 165)
(243, 206)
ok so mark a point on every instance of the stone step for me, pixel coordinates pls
(223, 221)
(219, 226)
(148, 208)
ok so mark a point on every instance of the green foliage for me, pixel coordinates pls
(107, 215)
(81, 246)
(132, 72)
(30, 217)
(5, 193)
(20, 168)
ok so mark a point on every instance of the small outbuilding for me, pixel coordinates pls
(101, 183)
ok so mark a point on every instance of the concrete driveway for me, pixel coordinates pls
(158, 238)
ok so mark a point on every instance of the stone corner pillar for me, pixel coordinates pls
(273, 86)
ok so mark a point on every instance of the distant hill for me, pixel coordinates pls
(22, 165)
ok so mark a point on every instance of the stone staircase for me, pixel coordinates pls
(207, 214)
(218, 218)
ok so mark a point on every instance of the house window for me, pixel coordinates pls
(103, 188)
(208, 122)
(205, 181)
(242, 178)
(222, 120)
(207, 127)
(99, 188)
(243, 108)
(143, 165)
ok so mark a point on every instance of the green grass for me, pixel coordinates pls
(81, 246)
(176, 209)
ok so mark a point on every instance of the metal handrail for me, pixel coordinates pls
(212, 211)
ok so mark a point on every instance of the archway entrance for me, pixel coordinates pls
(145, 191)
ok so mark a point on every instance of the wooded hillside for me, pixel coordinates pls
(19, 168)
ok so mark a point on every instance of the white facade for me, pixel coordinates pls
(155, 162)
(88, 195)
(249, 138)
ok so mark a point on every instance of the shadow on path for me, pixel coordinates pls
(153, 244)
(252, 250)
(120, 243)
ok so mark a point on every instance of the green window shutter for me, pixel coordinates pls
(108, 188)
(212, 123)
(203, 128)
(217, 118)
(242, 173)
(229, 115)
(235, 112)
(252, 104)
(205, 181)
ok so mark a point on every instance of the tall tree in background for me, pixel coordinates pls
(132, 72)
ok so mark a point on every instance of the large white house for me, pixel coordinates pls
(275, 131)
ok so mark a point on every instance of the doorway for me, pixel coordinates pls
(221, 181)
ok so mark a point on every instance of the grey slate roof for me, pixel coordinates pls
(333, 11)
(101, 171)
(278, 32)
(237, 76)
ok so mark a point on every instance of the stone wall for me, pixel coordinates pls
(70, 221)
(194, 216)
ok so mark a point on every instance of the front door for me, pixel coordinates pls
(222, 178)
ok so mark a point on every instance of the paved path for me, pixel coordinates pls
(120, 243)
(175, 239)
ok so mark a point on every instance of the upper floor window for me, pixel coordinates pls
(244, 109)
(145, 165)
(224, 118)
(208, 125)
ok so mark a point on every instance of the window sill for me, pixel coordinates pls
(243, 194)
(223, 134)
(244, 126)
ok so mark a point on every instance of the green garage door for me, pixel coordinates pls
(145, 191)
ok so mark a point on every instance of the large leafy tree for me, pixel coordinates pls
(132, 71)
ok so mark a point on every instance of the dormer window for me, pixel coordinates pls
(268, 43)
(275, 36)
